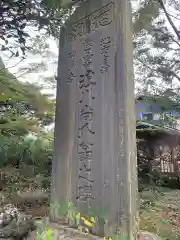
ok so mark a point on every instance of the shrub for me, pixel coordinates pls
(18, 150)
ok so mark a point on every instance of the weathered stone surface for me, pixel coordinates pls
(94, 163)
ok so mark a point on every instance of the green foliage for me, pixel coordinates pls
(22, 106)
(36, 152)
(58, 4)
(42, 54)
(16, 16)
(49, 15)
(144, 16)
(156, 54)
(162, 102)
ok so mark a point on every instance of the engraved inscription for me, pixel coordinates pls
(85, 168)
(85, 151)
(85, 83)
(88, 54)
(71, 76)
(104, 51)
(86, 188)
(85, 195)
(72, 58)
(86, 178)
(121, 133)
(86, 118)
(78, 30)
(71, 64)
(86, 80)
(86, 114)
(100, 18)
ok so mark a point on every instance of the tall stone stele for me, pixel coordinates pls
(94, 164)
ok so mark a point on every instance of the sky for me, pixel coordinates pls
(14, 65)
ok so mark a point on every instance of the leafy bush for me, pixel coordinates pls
(17, 150)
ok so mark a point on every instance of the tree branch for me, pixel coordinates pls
(156, 70)
(169, 18)
(175, 75)
(151, 69)
(12, 65)
(175, 41)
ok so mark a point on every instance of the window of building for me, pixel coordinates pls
(148, 116)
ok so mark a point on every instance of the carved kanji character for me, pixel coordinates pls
(86, 151)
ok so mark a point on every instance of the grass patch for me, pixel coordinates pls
(160, 212)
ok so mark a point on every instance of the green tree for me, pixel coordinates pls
(22, 106)
(17, 16)
(44, 63)
(156, 55)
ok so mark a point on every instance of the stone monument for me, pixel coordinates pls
(94, 164)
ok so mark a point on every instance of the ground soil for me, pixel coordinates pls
(159, 212)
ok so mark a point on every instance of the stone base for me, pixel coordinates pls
(61, 232)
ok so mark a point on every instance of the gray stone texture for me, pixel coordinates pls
(94, 163)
